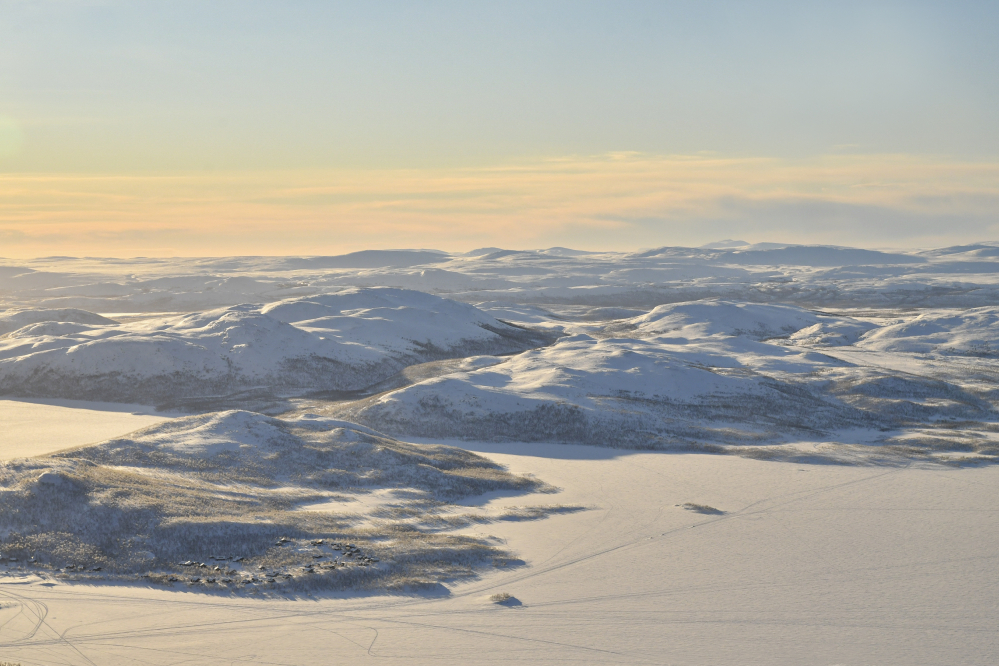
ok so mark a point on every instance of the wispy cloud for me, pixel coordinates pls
(620, 200)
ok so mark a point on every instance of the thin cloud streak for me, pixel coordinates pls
(614, 201)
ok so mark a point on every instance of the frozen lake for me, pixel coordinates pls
(808, 564)
(36, 428)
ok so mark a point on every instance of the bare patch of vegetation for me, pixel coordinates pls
(213, 502)
(505, 599)
(702, 508)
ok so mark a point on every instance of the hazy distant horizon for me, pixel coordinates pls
(471, 251)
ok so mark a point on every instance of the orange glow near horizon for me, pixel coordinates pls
(600, 202)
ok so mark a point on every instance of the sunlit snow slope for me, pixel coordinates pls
(342, 341)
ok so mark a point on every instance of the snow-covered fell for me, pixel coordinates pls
(344, 341)
(12, 320)
(973, 332)
(701, 375)
(728, 343)
(702, 319)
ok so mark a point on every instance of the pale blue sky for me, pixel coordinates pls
(175, 88)
(122, 85)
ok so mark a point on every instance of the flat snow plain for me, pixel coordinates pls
(369, 397)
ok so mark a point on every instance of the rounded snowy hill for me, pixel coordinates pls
(688, 374)
(973, 332)
(13, 320)
(701, 319)
(707, 375)
(343, 341)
